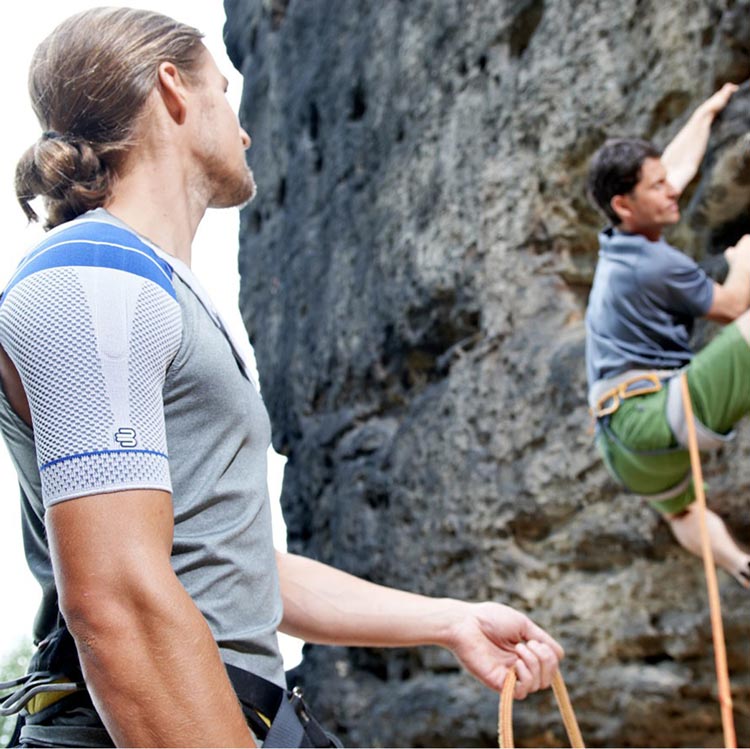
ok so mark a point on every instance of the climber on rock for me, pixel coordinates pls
(644, 301)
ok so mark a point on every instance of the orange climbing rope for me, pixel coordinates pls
(505, 717)
(717, 627)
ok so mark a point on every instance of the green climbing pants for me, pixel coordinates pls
(637, 444)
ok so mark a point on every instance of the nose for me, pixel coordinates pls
(245, 138)
(671, 190)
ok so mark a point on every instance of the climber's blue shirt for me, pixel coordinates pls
(643, 303)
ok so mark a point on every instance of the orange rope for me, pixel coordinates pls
(566, 710)
(505, 716)
(717, 627)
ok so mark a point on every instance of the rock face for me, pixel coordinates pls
(414, 277)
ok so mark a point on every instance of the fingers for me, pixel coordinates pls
(536, 665)
(526, 683)
(535, 632)
(725, 93)
(548, 661)
(720, 99)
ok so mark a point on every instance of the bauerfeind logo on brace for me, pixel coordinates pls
(125, 437)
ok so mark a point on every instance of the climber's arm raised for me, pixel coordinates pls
(683, 156)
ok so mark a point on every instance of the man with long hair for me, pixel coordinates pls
(140, 441)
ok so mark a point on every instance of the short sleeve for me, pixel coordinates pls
(680, 283)
(92, 332)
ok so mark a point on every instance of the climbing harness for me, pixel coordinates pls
(609, 401)
(278, 717)
(646, 450)
(717, 627)
(54, 684)
(606, 397)
(35, 692)
(505, 715)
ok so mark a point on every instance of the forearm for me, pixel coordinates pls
(738, 280)
(149, 659)
(155, 673)
(328, 606)
(731, 298)
(683, 156)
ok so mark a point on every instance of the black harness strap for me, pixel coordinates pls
(255, 692)
(291, 723)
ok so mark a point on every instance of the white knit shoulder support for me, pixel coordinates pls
(91, 322)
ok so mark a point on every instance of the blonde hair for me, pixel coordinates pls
(89, 81)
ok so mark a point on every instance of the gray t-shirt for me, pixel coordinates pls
(133, 384)
(643, 303)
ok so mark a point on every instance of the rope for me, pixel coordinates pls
(566, 710)
(505, 715)
(717, 628)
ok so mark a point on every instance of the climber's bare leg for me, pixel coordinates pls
(727, 554)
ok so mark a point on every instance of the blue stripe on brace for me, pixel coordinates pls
(100, 245)
(94, 453)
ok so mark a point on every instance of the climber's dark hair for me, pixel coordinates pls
(615, 170)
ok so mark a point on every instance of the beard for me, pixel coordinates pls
(229, 188)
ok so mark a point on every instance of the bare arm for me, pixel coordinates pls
(327, 606)
(732, 297)
(149, 659)
(683, 156)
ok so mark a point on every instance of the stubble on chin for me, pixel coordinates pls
(234, 191)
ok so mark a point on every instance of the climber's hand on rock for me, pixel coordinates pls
(714, 104)
(739, 255)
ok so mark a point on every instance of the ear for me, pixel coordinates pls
(173, 91)
(620, 204)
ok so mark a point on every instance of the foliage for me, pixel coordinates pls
(12, 666)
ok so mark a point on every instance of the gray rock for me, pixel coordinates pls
(414, 277)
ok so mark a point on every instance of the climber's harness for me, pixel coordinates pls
(276, 716)
(54, 684)
(608, 395)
